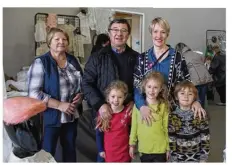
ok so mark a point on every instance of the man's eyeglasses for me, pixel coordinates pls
(117, 30)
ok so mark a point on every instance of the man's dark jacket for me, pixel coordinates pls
(101, 69)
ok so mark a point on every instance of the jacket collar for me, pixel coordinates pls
(54, 61)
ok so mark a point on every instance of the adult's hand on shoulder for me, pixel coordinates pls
(105, 112)
(198, 110)
(146, 115)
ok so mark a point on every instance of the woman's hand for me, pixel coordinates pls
(102, 154)
(198, 110)
(66, 107)
(78, 98)
(132, 152)
(105, 112)
(146, 115)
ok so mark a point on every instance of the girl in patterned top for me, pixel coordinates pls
(189, 136)
(153, 143)
(112, 135)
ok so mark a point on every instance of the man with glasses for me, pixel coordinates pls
(113, 62)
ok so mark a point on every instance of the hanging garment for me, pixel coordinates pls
(84, 27)
(42, 49)
(79, 46)
(51, 20)
(40, 31)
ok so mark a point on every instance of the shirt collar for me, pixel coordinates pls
(116, 51)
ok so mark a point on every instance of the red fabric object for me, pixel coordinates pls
(19, 109)
(116, 140)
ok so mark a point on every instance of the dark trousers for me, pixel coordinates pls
(93, 122)
(222, 93)
(153, 157)
(100, 159)
(202, 90)
(67, 133)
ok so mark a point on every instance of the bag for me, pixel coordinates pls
(197, 70)
(26, 138)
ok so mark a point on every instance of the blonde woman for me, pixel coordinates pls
(163, 58)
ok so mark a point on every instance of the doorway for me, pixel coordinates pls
(136, 21)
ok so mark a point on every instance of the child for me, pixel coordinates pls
(189, 137)
(116, 130)
(153, 143)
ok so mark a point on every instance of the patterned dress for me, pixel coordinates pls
(188, 137)
(116, 140)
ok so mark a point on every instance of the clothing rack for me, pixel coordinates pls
(65, 19)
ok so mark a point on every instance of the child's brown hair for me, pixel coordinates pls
(186, 84)
(163, 94)
(104, 125)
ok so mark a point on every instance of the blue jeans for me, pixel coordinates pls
(67, 133)
(202, 89)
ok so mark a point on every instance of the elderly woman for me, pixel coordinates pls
(55, 78)
(163, 58)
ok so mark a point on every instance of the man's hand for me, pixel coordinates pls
(146, 115)
(132, 152)
(105, 112)
(102, 154)
(198, 110)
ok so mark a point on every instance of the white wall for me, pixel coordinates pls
(188, 25)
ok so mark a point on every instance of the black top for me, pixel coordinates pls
(218, 70)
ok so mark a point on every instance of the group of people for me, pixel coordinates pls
(145, 101)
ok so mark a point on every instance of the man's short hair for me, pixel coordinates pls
(122, 21)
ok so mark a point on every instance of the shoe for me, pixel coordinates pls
(221, 104)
